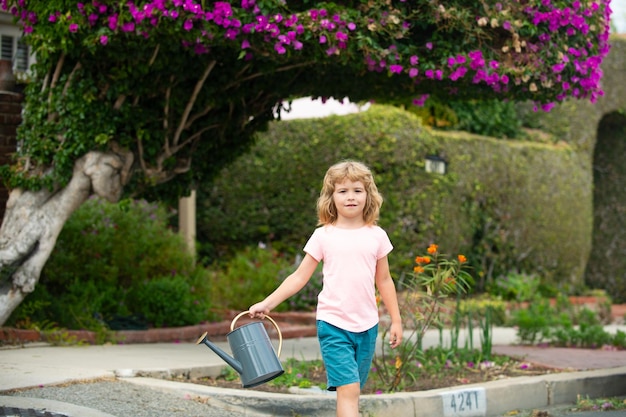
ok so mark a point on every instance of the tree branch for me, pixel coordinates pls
(260, 74)
(119, 102)
(68, 83)
(57, 71)
(53, 82)
(154, 55)
(192, 101)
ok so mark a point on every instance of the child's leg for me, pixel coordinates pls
(348, 400)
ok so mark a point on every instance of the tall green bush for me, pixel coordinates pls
(508, 205)
(607, 263)
(113, 263)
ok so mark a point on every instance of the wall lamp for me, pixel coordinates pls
(436, 164)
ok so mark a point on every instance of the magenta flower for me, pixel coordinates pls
(420, 101)
(458, 73)
(341, 36)
(113, 22)
(104, 39)
(73, 27)
(128, 27)
(278, 47)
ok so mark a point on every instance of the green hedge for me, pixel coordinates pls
(506, 205)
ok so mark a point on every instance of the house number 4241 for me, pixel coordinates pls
(465, 403)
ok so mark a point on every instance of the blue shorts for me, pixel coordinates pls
(347, 355)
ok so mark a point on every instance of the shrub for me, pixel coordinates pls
(247, 277)
(105, 254)
(168, 302)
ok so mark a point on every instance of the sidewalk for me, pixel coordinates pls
(600, 373)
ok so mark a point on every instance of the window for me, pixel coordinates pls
(21, 56)
(7, 47)
(14, 49)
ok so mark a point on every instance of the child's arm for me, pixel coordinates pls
(387, 291)
(291, 285)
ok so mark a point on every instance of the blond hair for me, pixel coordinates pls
(353, 171)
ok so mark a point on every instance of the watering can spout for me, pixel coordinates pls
(225, 356)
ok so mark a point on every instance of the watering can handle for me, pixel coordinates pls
(280, 335)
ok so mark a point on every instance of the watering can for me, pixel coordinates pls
(254, 357)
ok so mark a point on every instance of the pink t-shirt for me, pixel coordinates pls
(349, 256)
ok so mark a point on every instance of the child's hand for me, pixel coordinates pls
(259, 310)
(395, 335)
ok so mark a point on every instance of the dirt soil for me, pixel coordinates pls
(443, 379)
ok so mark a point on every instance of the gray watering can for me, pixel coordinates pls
(254, 357)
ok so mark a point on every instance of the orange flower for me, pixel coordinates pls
(398, 362)
(450, 281)
(422, 260)
(432, 248)
(462, 258)
(418, 269)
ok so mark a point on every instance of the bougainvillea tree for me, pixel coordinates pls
(148, 97)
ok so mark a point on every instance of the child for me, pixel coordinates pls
(354, 251)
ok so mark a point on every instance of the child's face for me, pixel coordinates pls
(350, 199)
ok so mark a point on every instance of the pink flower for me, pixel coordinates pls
(73, 27)
(278, 47)
(420, 100)
(113, 22)
(104, 39)
(128, 27)
(395, 69)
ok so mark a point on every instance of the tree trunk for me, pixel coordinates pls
(33, 220)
